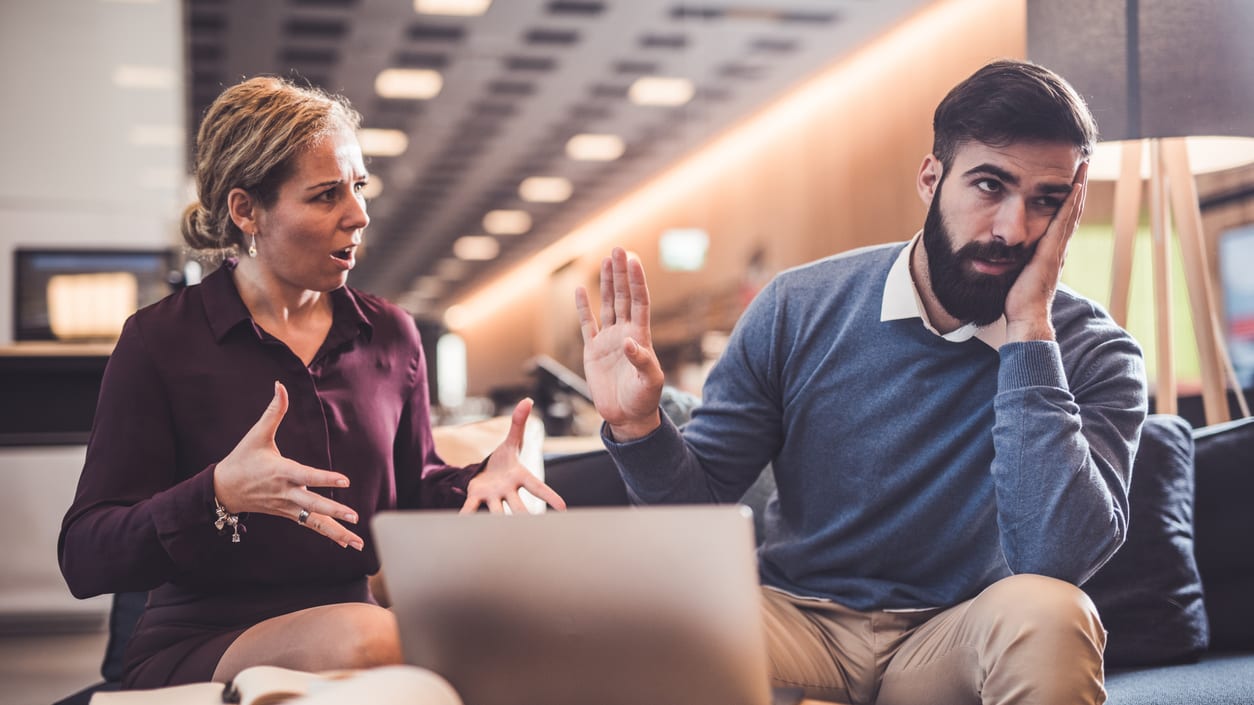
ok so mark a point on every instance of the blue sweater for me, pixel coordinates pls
(911, 471)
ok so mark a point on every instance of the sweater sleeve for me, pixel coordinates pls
(1064, 440)
(733, 434)
(132, 526)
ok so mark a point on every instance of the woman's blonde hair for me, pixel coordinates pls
(249, 139)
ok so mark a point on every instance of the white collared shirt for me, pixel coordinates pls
(902, 300)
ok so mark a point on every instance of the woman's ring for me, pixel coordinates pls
(302, 517)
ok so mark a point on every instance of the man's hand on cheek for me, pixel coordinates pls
(1029, 302)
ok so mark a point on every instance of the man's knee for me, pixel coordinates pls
(1037, 606)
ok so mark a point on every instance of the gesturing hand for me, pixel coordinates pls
(1030, 299)
(254, 477)
(623, 372)
(504, 475)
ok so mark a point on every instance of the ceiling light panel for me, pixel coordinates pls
(507, 222)
(382, 143)
(545, 189)
(476, 248)
(415, 84)
(595, 147)
(661, 90)
(560, 37)
(460, 8)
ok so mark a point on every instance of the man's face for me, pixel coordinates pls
(983, 225)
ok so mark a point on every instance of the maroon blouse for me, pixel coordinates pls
(189, 376)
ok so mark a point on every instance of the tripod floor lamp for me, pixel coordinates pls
(1157, 73)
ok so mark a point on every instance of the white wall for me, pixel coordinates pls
(72, 177)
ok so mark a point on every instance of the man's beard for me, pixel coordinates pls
(966, 294)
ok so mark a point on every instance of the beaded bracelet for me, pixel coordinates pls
(226, 519)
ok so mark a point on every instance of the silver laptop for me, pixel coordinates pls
(615, 606)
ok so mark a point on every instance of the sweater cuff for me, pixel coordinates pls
(664, 442)
(1031, 363)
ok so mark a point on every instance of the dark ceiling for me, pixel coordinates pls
(518, 82)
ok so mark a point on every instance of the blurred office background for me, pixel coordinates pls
(511, 144)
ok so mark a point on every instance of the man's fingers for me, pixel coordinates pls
(622, 294)
(607, 292)
(639, 294)
(587, 324)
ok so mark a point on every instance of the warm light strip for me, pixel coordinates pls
(615, 224)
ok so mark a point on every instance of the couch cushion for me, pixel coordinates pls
(1225, 530)
(1150, 595)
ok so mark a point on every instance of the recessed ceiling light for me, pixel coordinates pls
(135, 76)
(417, 84)
(476, 247)
(507, 222)
(660, 90)
(428, 286)
(595, 148)
(382, 143)
(373, 187)
(464, 8)
(450, 269)
(545, 189)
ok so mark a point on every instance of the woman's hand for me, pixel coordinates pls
(623, 372)
(497, 486)
(254, 477)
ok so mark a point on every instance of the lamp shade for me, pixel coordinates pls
(1152, 68)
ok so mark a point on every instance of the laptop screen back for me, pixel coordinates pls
(622, 606)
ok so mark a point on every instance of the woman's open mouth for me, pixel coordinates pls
(344, 257)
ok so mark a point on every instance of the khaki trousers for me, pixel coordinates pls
(1024, 640)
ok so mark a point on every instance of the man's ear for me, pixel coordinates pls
(244, 210)
(930, 173)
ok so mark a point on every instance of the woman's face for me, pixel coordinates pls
(309, 236)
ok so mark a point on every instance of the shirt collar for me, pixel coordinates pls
(902, 301)
(225, 309)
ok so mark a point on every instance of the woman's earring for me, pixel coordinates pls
(252, 245)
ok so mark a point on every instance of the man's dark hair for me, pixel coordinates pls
(1011, 101)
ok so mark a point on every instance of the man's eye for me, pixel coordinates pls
(988, 185)
(1049, 204)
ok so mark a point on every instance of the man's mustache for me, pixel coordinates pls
(997, 252)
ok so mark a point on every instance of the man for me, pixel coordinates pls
(951, 433)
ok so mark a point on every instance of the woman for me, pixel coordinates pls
(248, 427)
